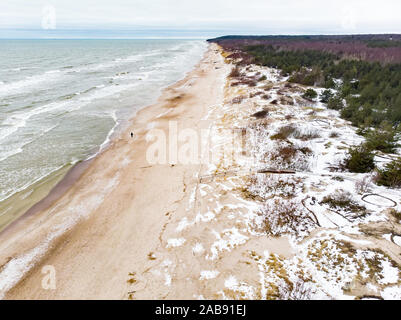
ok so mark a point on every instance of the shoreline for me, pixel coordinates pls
(140, 123)
(63, 178)
(64, 183)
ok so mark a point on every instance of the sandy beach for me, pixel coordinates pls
(109, 221)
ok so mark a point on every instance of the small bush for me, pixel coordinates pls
(396, 214)
(287, 101)
(382, 139)
(260, 114)
(343, 200)
(360, 159)
(334, 134)
(310, 94)
(244, 80)
(235, 72)
(255, 94)
(363, 185)
(238, 100)
(291, 158)
(335, 103)
(291, 130)
(284, 132)
(306, 135)
(308, 77)
(264, 186)
(288, 85)
(285, 217)
(326, 95)
(390, 176)
(287, 153)
(330, 83)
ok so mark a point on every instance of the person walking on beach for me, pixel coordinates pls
(132, 134)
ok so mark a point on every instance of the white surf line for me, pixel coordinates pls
(17, 268)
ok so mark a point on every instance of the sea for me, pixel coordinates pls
(62, 100)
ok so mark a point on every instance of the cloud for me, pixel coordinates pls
(237, 16)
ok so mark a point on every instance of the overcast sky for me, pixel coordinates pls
(222, 16)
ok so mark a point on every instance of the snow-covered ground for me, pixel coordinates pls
(312, 232)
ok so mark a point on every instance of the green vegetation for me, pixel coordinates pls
(383, 43)
(326, 96)
(335, 103)
(360, 159)
(371, 91)
(383, 139)
(310, 94)
(291, 61)
(343, 200)
(390, 176)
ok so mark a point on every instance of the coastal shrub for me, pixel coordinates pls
(287, 153)
(360, 159)
(264, 186)
(291, 157)
(343, 200)
(285, 217)
(260, 114)
(235, 72)
(310, 94)
(288, 85)
(334, 134)
(238, 100)
(390, 175)
(396, 214)
(308, 77)
(262, 78)
(363, 185)
(306, 135)
(299, 290)
(242, 80)
(330, 83)
(292, 131)
(284, 132)
(285, 100)
(325, 96)
(268, 87)
(335, 103)
(255, 94)
(382, 139)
